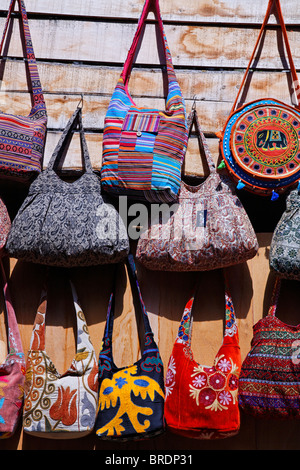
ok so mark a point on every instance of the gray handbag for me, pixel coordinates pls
(64, 223)
(284, 255)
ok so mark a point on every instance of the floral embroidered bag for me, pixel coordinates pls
(284, 256)
(260, 140)
(60, 405)
(202, 401)
(207, 229)
(22, 138)
(12, 371)
(270, 374)
(143, 148)
(131, 399)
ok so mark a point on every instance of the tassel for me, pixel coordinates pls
(274, 196)
(240, 185)
(222, 165)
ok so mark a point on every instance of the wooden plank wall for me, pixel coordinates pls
(80, 46)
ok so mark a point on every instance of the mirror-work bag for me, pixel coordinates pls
(208, 228)
(143, 149)
(269, 379)
(12, 371)
(131, 399)
(60, 405)
(260, 140)
(284, 256)
(201, 400)
(67, 224)
(22, 138)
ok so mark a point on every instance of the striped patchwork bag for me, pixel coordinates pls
(143, 149)
(12, 371)
(22, 138)
(270, 374)
(60, 405)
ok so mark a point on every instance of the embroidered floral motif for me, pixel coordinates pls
(170, 377)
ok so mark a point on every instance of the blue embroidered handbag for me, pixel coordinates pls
(131, 399)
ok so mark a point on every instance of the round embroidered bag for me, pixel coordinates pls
(201, 400)
(260, 140)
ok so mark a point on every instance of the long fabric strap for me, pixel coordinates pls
(275, 296)
(14, 338)
(76, 119)
(277, 5)
(135, 287)
(132, 51)
(38, 97)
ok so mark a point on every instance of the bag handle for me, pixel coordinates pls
(131, 54)
(277, 5)
(38, 97)
(75, 119)
(204, 149)
(14, 337)
(131, 269)
(275, 297)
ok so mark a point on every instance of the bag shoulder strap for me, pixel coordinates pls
(137, 37)
(64, 141)
(272, 4)
(275, 296)
(38, 97)
(14, 338)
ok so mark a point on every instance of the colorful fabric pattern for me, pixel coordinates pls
(202, 401)
(207, 229)
(270, 375)
(131, 399)
(12, 372)
(22, 138)
(143, 149)
(284, 257)
(60, 405)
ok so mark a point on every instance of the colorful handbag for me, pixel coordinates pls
(284, 255)
(270, 373)
(12, 371)
(5, 226)
(22, 138)
(143, 149)
(131, 399)
(260, 140)
(202, 401)
(208, 229)
(64, 223)
(60, 405)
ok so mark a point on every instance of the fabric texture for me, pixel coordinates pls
(12, 371)
(5, 226)
(64, 223)
(202, 400)
(22, 138)
(60, 405)
(131, 399)
(143, 149)
(270, 374)
(284, 257)
(207, 229)
(260, 140)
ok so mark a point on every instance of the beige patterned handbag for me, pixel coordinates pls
(60, 405)
(208, 228)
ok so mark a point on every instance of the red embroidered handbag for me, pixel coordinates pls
(202, 401)
(260, 140)
(270, 374)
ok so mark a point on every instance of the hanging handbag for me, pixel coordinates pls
(22, 138)
(5, 226)
(208, 229)
(284, 255)
(143, 149)
(60, 405)
(202, 401)
(260, 140)
(131, 399)
(270, 373)
(12, 371)
(64, 223)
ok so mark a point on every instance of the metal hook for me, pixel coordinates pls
(81, 101)
(194, 103)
